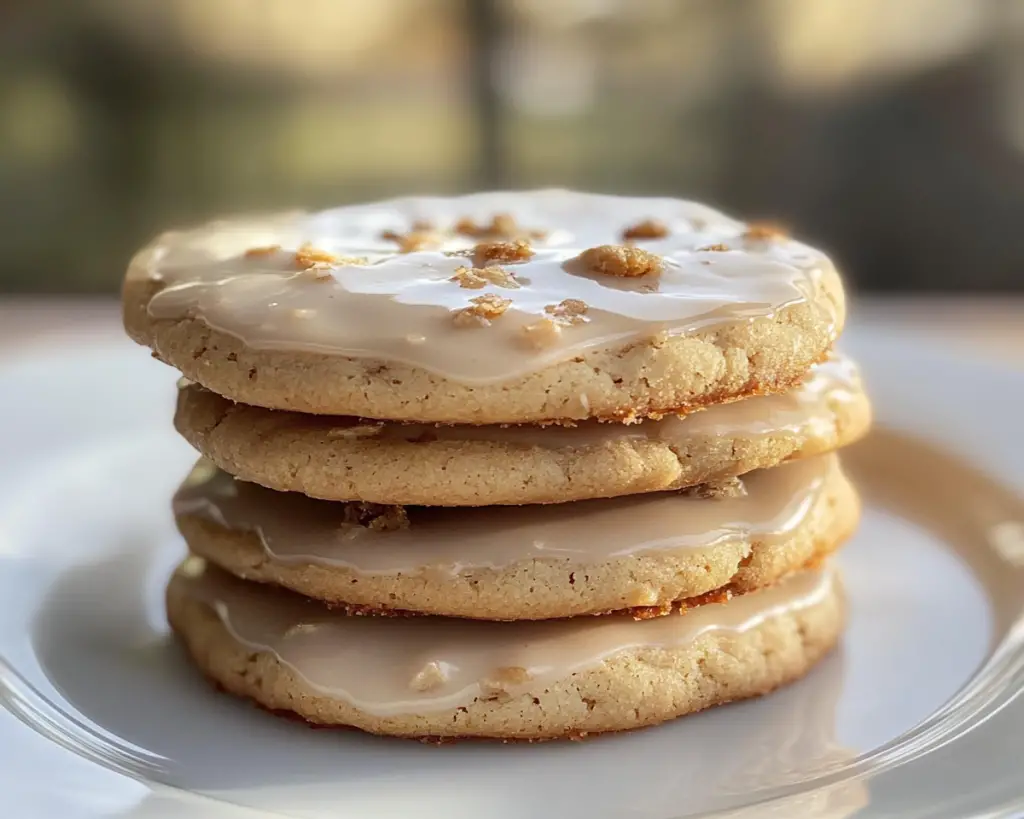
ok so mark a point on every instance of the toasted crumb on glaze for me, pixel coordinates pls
(568, 311)
(266, 250)
(307, 256)
(412, 241)
(482, 310)
(504, 252)
(763, 231)
(620, 260)
(647, 229)
(476, 278)
(501, 226)
(376, 516)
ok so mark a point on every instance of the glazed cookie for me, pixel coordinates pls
(435, 465)
(434, 677)
(491, 308)
(522, 563)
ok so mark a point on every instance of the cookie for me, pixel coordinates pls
(532, 562)
(353, 459)
(435, 677)
(492, 308)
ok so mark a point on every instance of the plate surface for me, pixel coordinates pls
(104, 718)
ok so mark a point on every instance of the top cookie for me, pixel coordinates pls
(491, 308)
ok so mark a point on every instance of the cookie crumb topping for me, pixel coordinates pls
(501, 226)
(431, 676)
(542, 333)
(307, 256)
(568, 311)
(481, 311)
(475, 278)
(504, 678)
(510, 252)
(763, 231)
(319, 265)
(623, 261)
(717, 490)
(376, 516)
(267, 250)
(416, 239)
(718, 248)
(647, 229)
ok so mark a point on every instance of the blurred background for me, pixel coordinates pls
(889, 131)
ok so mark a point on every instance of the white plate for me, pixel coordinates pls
(106, 719)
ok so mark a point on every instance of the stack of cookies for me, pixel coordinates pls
(518, 465)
